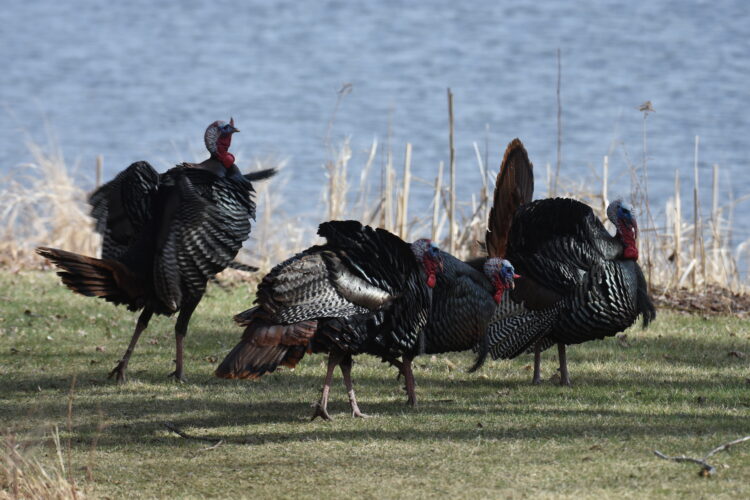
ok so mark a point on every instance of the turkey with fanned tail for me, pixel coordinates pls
(164, 236)
(578, 282)
(364, 291)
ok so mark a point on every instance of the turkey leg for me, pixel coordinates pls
(180, 330)
(321, 407)
(564, 376)
(346, 371)
(537, 363)
(119, 371)
(411, 395)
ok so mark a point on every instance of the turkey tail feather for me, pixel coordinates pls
(104, 278)
(265, 346)
(260, 175)
(483, 349)
(514, 187)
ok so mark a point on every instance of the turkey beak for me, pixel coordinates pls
(231, 124)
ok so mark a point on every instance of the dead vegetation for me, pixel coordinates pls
(41, 204)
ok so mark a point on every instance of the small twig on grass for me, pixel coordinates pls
(182, 434)
(706, 468)
(213, 446)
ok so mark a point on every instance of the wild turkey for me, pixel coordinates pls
(578, 282)
(364, 291)
(463, 303)
(164, 237)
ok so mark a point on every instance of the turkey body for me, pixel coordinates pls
(462, 307)
(575, 283)
(364, 291)
(164, 236)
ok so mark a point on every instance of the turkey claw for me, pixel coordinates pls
(178, 377)
(320, 412)
(118, 372)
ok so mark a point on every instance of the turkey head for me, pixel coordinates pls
(218, 138)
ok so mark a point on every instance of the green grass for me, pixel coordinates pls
(673, 387)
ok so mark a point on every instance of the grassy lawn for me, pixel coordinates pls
(674, 388)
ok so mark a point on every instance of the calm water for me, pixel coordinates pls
(141, 80)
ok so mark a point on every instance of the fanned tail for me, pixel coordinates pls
(103, 278)
(265, 346)
(514, 187)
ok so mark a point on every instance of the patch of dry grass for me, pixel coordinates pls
(29, 469)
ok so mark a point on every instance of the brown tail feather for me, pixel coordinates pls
(514, 187)
(107, 279)
(266, 346)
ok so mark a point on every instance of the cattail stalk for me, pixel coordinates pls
(404, 205)
(605, 181)
(452, 215)
(696, 215)
(559, 123)
(677, 226)
(99, 169)
(715, 219)
(436, 203)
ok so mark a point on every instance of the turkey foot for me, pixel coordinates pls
(122, 365)
(320, 411)
(356, 413)
(119, 372)
(178, 377)
(321, 407)
(346, 371)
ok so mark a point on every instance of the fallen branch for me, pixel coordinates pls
(170, 426)
(706, 468)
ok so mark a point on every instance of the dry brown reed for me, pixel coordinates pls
(48, 208)
(25, 474)
(41, 204)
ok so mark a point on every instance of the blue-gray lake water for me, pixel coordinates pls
(141, 79)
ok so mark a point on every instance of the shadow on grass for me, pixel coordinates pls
(137, 414)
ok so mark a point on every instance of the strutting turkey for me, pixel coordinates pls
(164, 236)
(578, 282)
(364, 291)
(463, 303)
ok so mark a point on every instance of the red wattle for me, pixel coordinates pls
(630, 252)
(227, 159)
(628, 237)
(431, 266)
(222, 150)
(499, 290)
